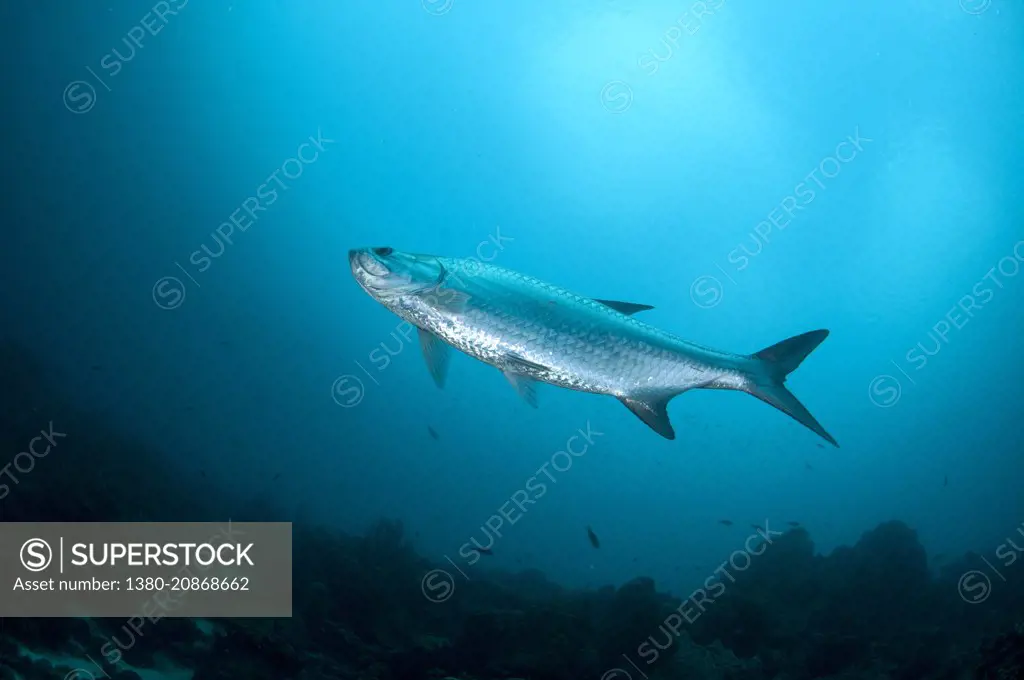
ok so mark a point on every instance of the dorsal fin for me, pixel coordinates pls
(626, 308)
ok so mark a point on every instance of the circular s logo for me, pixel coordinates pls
(884, 391)
(437, 585)
(79, 97)
(36, 554)
(617, 96)
(79, 674)
(974, 587)
(168, 293)
(975, 6)
(706, 291)
(437, 7)
(347, 391)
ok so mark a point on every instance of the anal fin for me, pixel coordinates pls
(653, 411)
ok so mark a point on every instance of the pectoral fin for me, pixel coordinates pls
(654, 412)
(626, 308)
(437, 354)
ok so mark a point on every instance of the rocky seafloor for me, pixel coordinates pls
(874, 610)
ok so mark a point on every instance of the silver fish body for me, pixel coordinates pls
(519, 323)
(534, 331)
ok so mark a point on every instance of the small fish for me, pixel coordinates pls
(593, 538)
(202, 473)
(276, 477)
(726, 522)
(793, 524)
(808, 466)
(819, 445)
(945, 481)
(504, 319)
(97, 367)
(433, 433)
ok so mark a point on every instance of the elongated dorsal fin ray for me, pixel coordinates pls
(626, 308)
(437, 355)
(654, 412)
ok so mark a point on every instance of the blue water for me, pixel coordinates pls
(754, 173)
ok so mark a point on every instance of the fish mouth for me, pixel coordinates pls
(369, 271)
(379, 278)
(373, 274)
(362, 261)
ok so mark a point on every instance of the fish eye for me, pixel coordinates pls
(383, 252)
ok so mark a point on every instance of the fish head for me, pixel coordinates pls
(387, 273)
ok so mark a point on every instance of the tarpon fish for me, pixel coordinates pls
(533, 331)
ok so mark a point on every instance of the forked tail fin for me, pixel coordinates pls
(767, 379)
